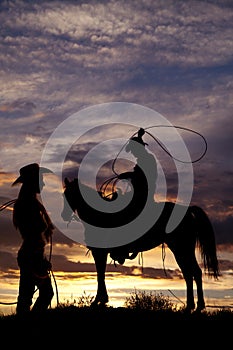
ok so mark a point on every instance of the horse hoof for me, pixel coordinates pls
(200, 308)
(189, 309)
(98, 304)
(100, 301)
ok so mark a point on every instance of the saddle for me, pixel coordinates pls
(120, 254)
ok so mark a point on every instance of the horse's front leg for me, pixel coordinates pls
(100, 258)
(190, 304)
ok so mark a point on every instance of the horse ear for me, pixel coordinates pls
(66, 181)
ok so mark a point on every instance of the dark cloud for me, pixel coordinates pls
(61, 263)
(225, 265)
(9, 236)
(224, 231)
(8, 261)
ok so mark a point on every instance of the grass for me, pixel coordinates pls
(141, 312)
(145, 301)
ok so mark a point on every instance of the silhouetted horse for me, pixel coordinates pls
(195, 230)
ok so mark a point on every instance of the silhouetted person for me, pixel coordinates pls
(143, 181)
(144, 175)
(35, 227)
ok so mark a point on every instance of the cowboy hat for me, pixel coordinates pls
(131, 144)
(30, 172)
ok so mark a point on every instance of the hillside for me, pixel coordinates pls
(71, 322)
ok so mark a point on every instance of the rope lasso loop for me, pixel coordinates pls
(115, 178)
(181, 128)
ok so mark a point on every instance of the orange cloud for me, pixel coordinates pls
(6, 178)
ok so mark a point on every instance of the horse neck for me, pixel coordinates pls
(81, 189)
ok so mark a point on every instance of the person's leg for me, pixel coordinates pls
(26, 291)
(46, 293)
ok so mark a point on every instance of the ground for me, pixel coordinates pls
(93, 325)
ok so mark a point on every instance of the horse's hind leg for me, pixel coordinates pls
(191, 270)
(100, 258)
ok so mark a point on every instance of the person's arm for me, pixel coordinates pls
(49, 225)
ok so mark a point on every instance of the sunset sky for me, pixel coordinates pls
(60, 58)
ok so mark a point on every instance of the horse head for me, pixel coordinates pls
(74, 201)
(97, 209)
(70, 191)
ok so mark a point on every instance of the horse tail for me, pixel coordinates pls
(206, 241)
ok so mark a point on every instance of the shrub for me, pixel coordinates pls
(142, 300)
(84, 300)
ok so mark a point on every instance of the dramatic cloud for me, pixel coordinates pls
(175, 57)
